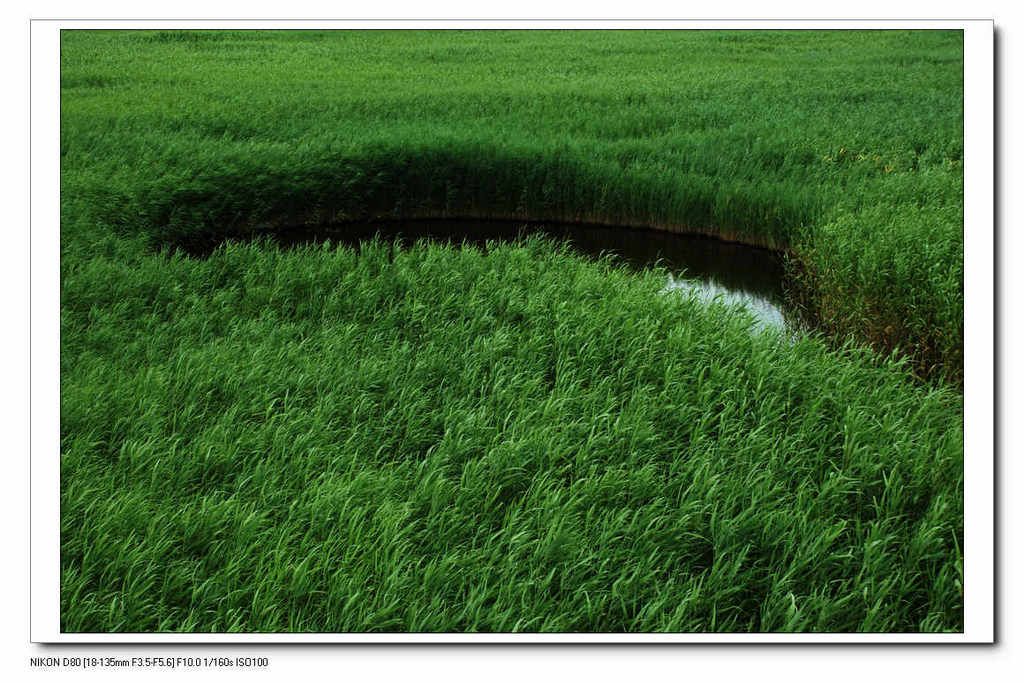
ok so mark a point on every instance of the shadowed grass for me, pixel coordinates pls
(837, 145)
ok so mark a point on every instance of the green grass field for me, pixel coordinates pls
(431, 438)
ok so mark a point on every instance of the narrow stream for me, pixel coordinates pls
(710, 268)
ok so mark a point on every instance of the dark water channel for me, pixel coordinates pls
(710, 268)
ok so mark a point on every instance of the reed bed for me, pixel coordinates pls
(835, 145)
(430, 438)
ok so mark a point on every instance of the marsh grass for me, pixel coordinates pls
(425, 438)
(429, 439)
(844, 147)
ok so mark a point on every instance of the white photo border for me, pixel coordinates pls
(979, 346)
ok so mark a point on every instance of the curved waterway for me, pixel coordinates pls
(746, 277)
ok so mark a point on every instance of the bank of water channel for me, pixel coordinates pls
(745, 277)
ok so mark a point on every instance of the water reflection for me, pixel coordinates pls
(766, 313)
(745, 277)
(712, 269)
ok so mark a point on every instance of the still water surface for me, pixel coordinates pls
(748, 278)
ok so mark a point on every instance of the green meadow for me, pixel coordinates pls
(422, 437)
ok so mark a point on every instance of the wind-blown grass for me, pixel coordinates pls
(439, 439)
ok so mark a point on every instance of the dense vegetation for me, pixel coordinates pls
(431, 438)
